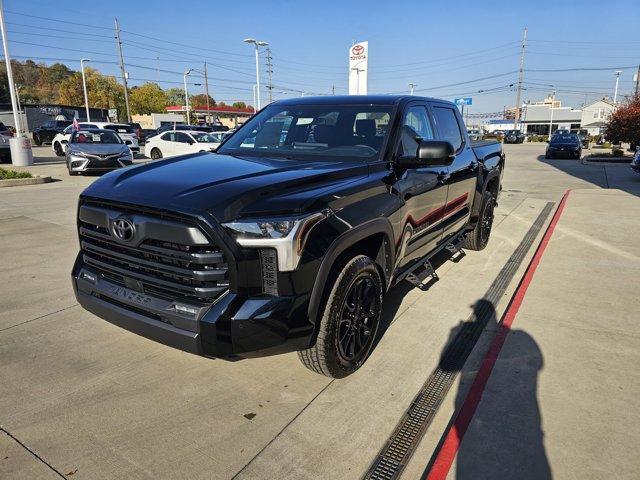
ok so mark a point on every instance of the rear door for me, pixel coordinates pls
(463, 171)
(423, 191)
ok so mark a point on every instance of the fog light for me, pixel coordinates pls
(185, 309)
(269, 263)
(88, 276)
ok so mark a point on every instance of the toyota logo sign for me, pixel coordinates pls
(123, 229)
(357, 50)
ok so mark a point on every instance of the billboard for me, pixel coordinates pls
(358, 68)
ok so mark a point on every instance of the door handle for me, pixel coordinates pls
(443, 176)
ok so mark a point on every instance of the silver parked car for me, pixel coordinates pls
(96, 150)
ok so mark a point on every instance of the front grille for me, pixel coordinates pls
(162, 268)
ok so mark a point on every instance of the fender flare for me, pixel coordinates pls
(385, 257)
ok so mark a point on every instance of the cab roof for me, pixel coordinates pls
(355, 100)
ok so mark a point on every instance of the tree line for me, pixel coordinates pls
(57, 84)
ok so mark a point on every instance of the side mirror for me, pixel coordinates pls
(190, 142)
(429, 153)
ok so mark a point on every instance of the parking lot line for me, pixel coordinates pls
(449, 447)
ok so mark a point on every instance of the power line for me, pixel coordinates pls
(57, 20)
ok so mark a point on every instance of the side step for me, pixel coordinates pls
(421, 271)
(417, 273)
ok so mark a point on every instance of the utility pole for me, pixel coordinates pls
(206, 88)
(84, 88)
(615, 92)
(411, 86)
(333, 89)
(270, 73)
(12, 85)
(123, 71)
(516, 118)
(637, 81)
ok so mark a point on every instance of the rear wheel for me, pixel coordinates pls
(349, 321)
(478, 238)
(156, 154)
(37, 140)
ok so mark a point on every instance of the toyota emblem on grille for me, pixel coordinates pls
(123, 229)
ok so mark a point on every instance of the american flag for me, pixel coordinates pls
(75, 124)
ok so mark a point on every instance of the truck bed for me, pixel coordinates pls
(486, 149)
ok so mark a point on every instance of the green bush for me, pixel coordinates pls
(606, 145)
(534, 138)
(10, 174)
(617, 152)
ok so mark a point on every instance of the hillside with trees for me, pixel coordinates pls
(57, 84)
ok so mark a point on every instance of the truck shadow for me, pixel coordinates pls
(395, 295)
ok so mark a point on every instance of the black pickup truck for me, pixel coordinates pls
(289, 236)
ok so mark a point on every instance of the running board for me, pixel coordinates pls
(418, 272)
(421, 271)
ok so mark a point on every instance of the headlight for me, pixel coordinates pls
(287, 235)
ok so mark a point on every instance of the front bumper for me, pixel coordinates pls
(564, 153)
(89, 165)
(231, 326)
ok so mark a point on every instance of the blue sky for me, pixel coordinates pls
(447, 48)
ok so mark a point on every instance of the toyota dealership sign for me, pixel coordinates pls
(358, 68)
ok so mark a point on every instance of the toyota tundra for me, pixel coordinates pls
(288, 237)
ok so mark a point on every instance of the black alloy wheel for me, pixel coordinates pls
(486, 222)
(358, 316)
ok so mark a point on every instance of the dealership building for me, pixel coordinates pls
(537, 118)
(33, 116)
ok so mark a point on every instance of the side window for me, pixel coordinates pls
(182, 137)
(67, 130)
(415, 127)
(167, 137)
(448, 126)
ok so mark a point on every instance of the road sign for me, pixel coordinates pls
(463, 101)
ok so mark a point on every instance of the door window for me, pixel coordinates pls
(415, 127)
(448, 126)
(182, 137)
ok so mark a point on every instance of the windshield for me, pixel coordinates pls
(88, 136)
(303, 131)
(564, 139)
(204, 137)
(120, 128)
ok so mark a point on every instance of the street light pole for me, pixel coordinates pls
(257, 44)
(553, 101)
(615, 93)
(186, 94)
(12, 86)
(411, 85)
(84, 87)
(254, 98)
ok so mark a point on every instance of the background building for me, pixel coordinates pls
(595, 115)
(34, 116)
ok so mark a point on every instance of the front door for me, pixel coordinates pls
(463, 171)
(423, 191)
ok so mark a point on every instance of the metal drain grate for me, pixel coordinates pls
(400, 446)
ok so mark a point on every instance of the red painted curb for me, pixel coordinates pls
(449, 449)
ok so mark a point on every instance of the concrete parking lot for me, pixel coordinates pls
(81, 398)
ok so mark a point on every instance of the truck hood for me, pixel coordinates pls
(227, 187)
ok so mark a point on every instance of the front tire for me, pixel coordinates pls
(349, 321)
(58, 149)
(37, 140)
(478, 238)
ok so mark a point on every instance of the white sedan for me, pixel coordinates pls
(60, 141)
(180, 142)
